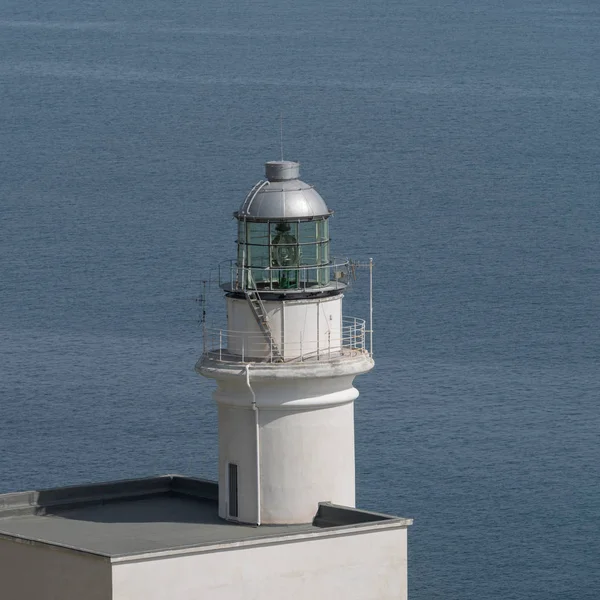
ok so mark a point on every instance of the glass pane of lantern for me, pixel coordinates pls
(323, 275)
(260, 278)
(284, 245)
(258, 233)
(309, 254)
(241, 232)
(257, 256)
(307, 231)
(324, 252)
(324, 230)
(291, 228)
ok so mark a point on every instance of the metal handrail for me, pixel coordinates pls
(250, 346)
(262, 317)
(253, 192)
(239, 278)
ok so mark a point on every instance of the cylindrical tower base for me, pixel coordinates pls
(306, 457)
(286, 438)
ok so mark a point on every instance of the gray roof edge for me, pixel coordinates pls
(35, 502)
(195, 487)
(360, 528)
(21, 539)
(335, 515)
(331, 520)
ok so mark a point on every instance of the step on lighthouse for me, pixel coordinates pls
(281, 521)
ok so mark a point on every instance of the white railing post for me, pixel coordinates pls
(371, 306)
(220, 344)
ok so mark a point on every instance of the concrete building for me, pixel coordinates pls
(281, 522)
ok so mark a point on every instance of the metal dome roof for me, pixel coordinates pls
(282, 196)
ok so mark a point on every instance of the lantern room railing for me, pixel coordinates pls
(241, 346)
(298, 278)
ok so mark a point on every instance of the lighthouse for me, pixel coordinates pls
(281, 522)
(285, 363)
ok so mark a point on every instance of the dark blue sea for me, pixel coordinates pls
(458, 142)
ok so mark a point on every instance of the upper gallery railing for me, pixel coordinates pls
(283, 279)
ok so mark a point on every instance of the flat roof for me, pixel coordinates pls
(155, 515)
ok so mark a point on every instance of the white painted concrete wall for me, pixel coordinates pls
(368, 566)
(299, 327)
(33, 571)
(305, 440)
(306, 457)
(237, 438)
(291, 434)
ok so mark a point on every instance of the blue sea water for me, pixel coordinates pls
(459, 144)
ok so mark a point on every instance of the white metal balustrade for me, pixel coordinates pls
(284, 280)
(243, 346)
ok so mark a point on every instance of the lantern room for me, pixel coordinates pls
(283, 236)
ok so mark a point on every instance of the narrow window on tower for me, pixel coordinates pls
(233, 490)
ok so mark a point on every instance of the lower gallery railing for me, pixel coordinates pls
(250, 346)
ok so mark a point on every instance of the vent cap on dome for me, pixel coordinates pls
(282, 170)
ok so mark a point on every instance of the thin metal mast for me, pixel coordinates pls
(371, 306)
(281, 134)
(352, 270)
(204, 315)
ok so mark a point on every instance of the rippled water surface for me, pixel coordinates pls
(457, 142)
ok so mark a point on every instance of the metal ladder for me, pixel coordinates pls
(259, 311)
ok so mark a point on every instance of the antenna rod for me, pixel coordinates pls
(371, 305)
(204, 314)
(281, 133)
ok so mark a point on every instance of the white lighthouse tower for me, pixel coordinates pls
(284, 368)
(286, 362)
